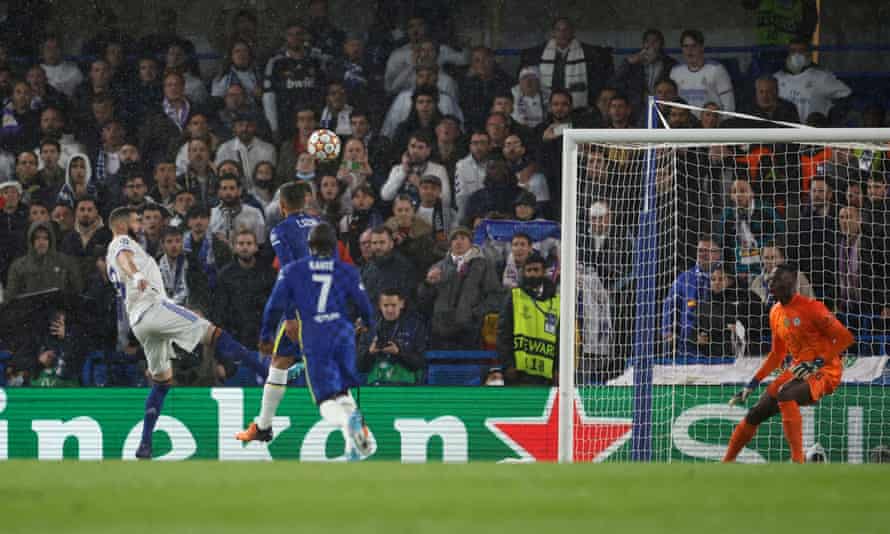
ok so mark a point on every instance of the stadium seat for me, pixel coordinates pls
(457, 368)
(4, 357)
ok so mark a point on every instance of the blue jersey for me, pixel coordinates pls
(318, 291)
(290, 237)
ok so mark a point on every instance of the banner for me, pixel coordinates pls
(452, 424)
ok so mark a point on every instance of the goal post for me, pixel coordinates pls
(646, 197)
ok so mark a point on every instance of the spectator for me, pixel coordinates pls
(293, 81)
(717, 332)
(355, 169)
(388, 268)
(814, 225)
(638, 74)
(807, 86)
(711, 117)
(529, 99)
(779, 24)
(679, 118)
(292, 149)
(98, 83)
(570, 65)
(51, 173)
(42, 93)
(108, 158)
(528, 328)
(145, 93)
(702, 81)
(433, 211)
(520, 250)
(246, 148)
(746, 227)
(434, 105)
(236, 102)
(377, 146)
(27, 175)
(482, 82)
(164, 125)
(198, 127)
(460, 291)
(861, 270)
(419, 50)
(469, 173)
(52, 126)
(875, 211)
(89, 238)
(327, 39)
(363, 217)
(55, 362)
(63, 75)
(178, 62)
(165, 188)
(136, 192)
(239, 68)
(498, 194)
(13, 226)
(184, 282)
(232, 215)
(449, 147)
(619, 112)
(415, 163)
(154, 221)
(43, 267)
(424, 116)
(666, 90)
(202, 248)
(354, 70)
(413, 237)
(199, 176)
(63, 218)
(687, 292)
(768, 105)
(335, 115)
(771, 257)
(20, 124)
(264, 183)
(182, 203)
(332, 199)
(391, 351)
(241, 292)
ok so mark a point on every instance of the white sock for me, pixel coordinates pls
(273, 392)
(335, 413)
(348, 404)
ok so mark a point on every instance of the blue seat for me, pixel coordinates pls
(457, 368)
(4, 358)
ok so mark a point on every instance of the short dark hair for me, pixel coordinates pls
(168, 231)
(422, 136)
(656, 32)
(425, 90)
(52, 142)
(86, 198)
(392, 292)
(231, 178)
(787, 268)
(359, 112)
(323, 239)
(522, 235)
(695, 35)
(122, 212)
(562, 92)
(366, 189)
(620, 96)
(380, 229)
(293, 194)
(197, 211)
(236, 163)
(136, 173)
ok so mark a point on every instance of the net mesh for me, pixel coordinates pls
(673, 290)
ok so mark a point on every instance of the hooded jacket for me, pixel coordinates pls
(68, 192)
(35, 272)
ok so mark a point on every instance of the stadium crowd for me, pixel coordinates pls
(446, 194)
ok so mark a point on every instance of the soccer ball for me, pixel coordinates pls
(324, 145)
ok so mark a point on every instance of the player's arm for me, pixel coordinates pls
(360, 298)
(125, 260)
(841, 337)
(777, 353)
(279, 245)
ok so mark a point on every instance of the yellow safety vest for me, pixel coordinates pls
(778, 21)
(535, 333)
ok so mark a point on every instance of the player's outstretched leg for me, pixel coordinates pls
(273, 392)
(744, 432)
(153, 405)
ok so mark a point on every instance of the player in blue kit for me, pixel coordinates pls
(290, 237)
(314, 294)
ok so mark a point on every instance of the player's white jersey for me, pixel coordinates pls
(136, 301)
(711, 83)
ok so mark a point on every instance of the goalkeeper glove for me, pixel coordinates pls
(742, 396)
(804, 369)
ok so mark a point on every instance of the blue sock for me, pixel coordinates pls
(229, 349)
(153, 405)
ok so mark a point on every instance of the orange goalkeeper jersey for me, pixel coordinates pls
(807, 330)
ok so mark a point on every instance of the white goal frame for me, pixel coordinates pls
(568, 252)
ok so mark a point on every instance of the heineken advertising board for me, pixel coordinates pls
(453, 424)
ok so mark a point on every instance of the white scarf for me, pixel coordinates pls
(174, 277)
(575, 71)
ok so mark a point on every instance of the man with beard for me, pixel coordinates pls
(52, 126)
(528, 327)
(388, 268)
(246, 148)
(231, 214)
(405, 177)
(89, 238)
(363, 217)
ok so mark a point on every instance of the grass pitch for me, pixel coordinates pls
(213, 497)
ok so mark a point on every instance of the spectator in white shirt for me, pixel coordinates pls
(401, 63)
(63, 76)
(701, 81)
(426, 76)
(806, 85)
(232, 215)
(335, 115)
(405, 176)
(469, 174)
(247, 148)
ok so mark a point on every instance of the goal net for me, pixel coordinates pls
(671, 233)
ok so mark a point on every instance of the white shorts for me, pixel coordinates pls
(163, 324)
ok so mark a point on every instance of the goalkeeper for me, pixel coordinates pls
(816, 339)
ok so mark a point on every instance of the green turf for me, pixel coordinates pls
(212, 497)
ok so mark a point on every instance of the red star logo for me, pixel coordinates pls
(535, 438)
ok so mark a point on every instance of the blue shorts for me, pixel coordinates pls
(285, 346)
(330, 365)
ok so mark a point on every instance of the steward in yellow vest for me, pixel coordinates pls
(528, 328)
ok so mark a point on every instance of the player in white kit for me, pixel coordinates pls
(156, 321)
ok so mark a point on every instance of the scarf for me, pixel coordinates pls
(178, 116)
(205, 256)
(575, 79)
(529, 110)
(229, 219)
(339, 123)
(173, 275)
(848, 269)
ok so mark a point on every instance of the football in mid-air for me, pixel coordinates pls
(324, 145)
